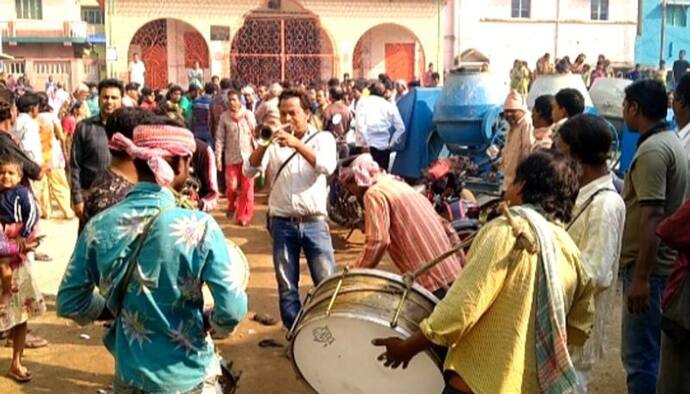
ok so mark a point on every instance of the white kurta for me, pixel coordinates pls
(598, 231)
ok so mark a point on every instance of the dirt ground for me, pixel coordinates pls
(72, 364)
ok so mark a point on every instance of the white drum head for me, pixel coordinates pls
(335, 355)
(238, 265)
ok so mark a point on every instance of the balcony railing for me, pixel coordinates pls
(42, 31)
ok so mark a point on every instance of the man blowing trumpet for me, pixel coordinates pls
(300, 158)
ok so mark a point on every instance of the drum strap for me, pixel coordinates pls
(121, 290)
(586, 205)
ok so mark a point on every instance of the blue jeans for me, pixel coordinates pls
(641, 336)
(289, 239)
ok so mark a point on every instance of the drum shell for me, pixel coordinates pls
(375, 297)
(372, 296)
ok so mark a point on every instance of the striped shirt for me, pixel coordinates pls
(403, 222)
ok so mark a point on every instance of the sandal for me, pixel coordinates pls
(264, 319)
(24, 378)
(270, 342)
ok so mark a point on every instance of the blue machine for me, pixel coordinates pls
(417, 110)
(468, 117)
(607, 95)
(629, 140)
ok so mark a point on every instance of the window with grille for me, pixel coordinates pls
(600, 10)
(29, 9)
(676, 16)
(520, 8)
(92, 15)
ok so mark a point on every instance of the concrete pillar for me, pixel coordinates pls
(76, 73)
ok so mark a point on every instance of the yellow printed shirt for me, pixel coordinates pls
(487, 319)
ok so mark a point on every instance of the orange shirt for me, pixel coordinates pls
(400, 220)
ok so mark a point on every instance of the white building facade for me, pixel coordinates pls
(505, 30)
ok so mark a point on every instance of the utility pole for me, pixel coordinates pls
(663, 30)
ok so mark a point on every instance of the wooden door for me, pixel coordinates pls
(400, 61)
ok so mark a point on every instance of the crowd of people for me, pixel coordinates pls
(521, 76)
(525, 309)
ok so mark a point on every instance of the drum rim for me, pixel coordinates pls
(381, 274)
(398, 329)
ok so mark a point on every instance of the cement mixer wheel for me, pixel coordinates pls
(495, 126)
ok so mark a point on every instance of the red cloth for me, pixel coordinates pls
(674, 231)
(148, 106)
(13, 232)
(69, 123)
(240, 193)
(439, 169)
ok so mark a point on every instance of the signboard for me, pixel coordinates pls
(220, 33)
(111, 54)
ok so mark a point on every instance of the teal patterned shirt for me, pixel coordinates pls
(158, 340)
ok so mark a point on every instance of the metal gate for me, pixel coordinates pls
(266, 50)
(151, 41)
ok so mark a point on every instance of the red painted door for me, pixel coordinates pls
(156, 60)
(400, 61)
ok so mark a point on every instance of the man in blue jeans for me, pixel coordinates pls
(655, 186)
(299, 160)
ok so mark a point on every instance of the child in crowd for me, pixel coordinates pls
(18, 217)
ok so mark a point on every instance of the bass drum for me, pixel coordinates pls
(331, 339)
(239, 265)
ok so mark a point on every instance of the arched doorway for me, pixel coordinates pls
(281, 43)
(168, 48)
(389, 49)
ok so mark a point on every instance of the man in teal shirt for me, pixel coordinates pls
(149, 257)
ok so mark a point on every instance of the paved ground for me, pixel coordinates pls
(75, 365)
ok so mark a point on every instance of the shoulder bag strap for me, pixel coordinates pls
(285, 163)
(586, 205)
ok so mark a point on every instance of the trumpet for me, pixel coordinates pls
(267, 133)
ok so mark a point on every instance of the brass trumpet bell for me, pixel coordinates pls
(267, 133)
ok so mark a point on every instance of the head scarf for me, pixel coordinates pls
(155, 143)
(515, 101)
(363, 169)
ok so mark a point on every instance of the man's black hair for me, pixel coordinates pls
(162, 120)
(333, 82)
(123, 121)
(225, 84)
(571, 100)
(146, 91)
(111, 83)
(209, 88)
(377, 89)
(27, 101)
(336, 93)
(682, 92)
(131, 86)
(650, 96)
(543, 105)
(360, 85)
(551, 182)
(175, 88)
(588, 137)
